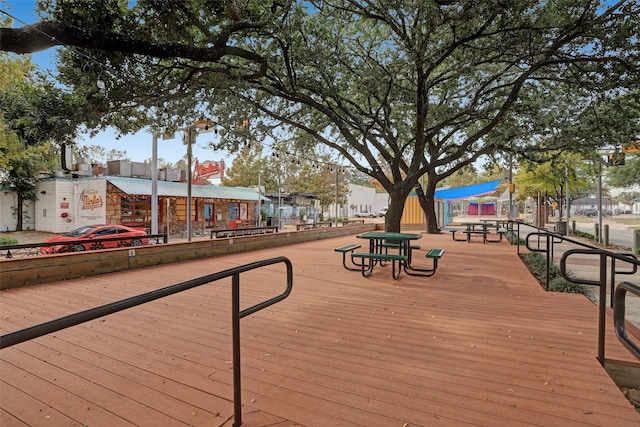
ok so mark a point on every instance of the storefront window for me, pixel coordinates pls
(135, 211)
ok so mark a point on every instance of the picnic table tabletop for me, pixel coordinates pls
(388, 235)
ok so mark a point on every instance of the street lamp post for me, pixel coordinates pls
(154, 185)
(279, 205)
(600, 200)
(190, 136)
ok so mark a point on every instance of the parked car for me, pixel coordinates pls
(383, 211)
(364, 214)
(93, 235)
(594, 212)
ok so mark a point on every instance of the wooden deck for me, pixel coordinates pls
(480, 343)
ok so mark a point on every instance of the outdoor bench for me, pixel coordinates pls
(454, 230)
(372, 257)
(500, 234)
(347, 249)
(435, 255)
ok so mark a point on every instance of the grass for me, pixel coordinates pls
(8, 241)
(627, 220)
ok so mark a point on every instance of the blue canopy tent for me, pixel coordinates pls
(478, 207)
(475, 190)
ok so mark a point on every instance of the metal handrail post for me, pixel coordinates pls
(235, 322)
(602, 307)
(548, 241)
(613, 283)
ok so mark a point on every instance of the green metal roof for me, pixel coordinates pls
(142, 187)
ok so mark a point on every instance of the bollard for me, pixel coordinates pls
(596, 233)
(573, 227)
(636, 241)
(605, 235)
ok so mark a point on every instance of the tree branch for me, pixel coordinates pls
(46, 34)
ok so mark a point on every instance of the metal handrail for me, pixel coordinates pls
(32, 332)
(601, 283)
(549, 246)
(618, 316)
(604, 255)
(30, 247)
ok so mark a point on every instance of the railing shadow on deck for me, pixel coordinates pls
(542, 240)
(32, 332)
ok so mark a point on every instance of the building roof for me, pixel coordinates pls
(142, 187)
(468, 191)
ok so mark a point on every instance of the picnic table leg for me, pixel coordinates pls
(369, 265)
(393, 269)
(344, 263)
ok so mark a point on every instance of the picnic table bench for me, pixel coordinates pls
(345, 250)
(247, 231)
(367, 267)
(470, 229)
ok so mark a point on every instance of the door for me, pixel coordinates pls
(208, 215)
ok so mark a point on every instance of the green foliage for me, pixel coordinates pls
(289, 172)
(99, 155)
(584, 234)
(537, 264)
(625, 176)
(33, 114)
(401, 90)
(4, 241)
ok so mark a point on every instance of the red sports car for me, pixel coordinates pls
(95, 235)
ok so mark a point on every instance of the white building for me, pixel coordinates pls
(360, 200)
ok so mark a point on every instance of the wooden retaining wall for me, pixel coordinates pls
(26, 271)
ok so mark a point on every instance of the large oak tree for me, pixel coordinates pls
(400, 89)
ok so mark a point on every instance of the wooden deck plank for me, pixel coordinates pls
(479, 343)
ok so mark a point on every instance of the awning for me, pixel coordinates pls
(142, 187)
(467, 191)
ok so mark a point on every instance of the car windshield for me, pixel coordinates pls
(79, 231)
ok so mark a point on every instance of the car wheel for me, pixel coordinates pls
(78, 248)
(136, 242)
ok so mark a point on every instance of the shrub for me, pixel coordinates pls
(584, 234)
(8, 241)
(536, 262)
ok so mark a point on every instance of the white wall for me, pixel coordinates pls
(361, 198)
(8, 220)
(381, 200)
(66, 204)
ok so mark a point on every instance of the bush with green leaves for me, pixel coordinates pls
(8, 241)
(537, 264)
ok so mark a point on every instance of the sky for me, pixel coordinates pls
(138, 146)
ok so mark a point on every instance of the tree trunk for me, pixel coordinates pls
(427, 200)
(19, 212)
(394, 214)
